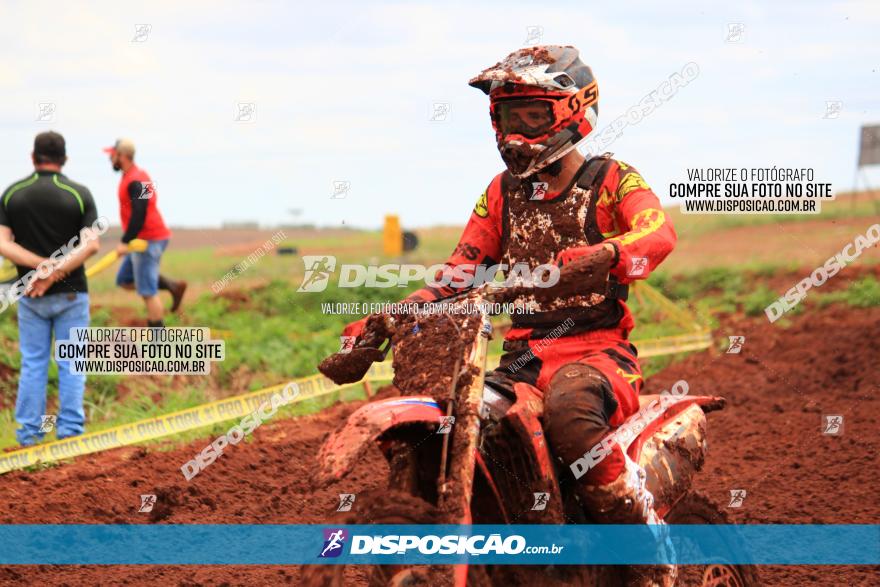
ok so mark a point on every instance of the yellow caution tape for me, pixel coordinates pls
(135, 246)
(679, 343)
(176, 422)
(238, 406)
(679, 315)
(663, 345)
(102, 263)
(8, 271)
(310, 387)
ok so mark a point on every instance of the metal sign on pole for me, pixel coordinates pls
(869, 147)
(869, 154)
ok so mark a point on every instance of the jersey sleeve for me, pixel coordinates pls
(479, 244)
(644, 233)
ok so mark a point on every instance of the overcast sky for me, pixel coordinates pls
(345, 92)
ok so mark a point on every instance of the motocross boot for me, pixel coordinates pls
(626, 500)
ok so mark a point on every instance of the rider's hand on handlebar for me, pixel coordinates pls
(584, 271)
(370, 331)
(572, 253)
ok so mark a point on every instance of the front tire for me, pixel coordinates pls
(696, 508)
(388, 507)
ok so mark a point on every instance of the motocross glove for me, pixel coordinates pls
(356, 328)
(572, 253)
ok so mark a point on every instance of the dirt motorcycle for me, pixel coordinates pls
(464, 447)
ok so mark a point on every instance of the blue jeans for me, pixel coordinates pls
(142, 269)
(38, 319)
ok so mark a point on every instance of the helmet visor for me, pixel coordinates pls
(531, 118)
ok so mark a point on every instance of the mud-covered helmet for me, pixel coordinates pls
(544, 101)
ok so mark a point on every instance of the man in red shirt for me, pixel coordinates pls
(140, 217)
(552, 205)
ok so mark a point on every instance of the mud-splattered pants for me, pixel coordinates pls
(591, 383)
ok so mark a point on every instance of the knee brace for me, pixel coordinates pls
(577, 406)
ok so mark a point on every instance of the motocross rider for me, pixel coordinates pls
(552, 205)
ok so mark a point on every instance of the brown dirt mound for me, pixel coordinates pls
(238, 299)
(768, 441)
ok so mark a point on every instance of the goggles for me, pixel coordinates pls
(531, 118)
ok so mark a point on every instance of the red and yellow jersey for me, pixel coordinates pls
(627, 213)
(630, 215)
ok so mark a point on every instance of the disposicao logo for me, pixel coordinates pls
(334, 542)
(318, 271)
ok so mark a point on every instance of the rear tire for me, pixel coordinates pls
(696, 508)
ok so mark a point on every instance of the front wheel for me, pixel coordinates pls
(389, 507)
(696, 508)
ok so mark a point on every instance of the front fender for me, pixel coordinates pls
(345, 447)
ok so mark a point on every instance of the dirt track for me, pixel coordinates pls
(768, 442)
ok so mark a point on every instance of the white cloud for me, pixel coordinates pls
(345, 90)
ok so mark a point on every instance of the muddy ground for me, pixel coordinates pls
(768, 441)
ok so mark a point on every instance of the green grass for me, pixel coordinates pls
(690, 225)
(727, 291)
(863, 293)
(756, 300)
(278, 333)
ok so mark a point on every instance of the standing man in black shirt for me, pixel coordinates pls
(48, 227)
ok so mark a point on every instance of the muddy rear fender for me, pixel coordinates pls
(670, 443)
(345, 447)
(657, 412)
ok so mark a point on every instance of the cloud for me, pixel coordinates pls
(345, 92)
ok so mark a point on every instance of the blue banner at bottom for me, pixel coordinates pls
(438, 544)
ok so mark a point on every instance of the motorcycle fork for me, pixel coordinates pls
(450, 411)
(458, 463)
